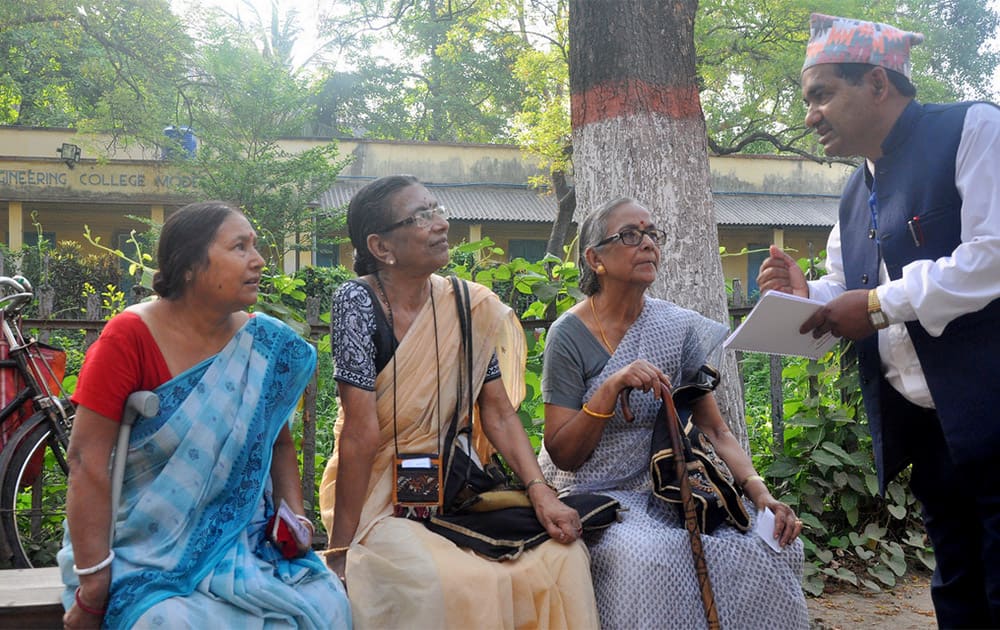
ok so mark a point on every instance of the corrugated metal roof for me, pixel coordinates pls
(491, 202)
(773, 209)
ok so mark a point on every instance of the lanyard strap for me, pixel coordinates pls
(873, 206)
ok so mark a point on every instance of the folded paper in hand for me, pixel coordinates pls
(287, 516)
(765, 528)
(772, 327)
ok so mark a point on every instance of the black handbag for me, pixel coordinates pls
(717, 499)
(482, 509)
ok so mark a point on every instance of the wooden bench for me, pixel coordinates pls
(31, 598)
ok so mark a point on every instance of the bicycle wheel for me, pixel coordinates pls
(33, 493)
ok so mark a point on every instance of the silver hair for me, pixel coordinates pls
(593, 231)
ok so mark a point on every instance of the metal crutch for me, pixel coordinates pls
(141, 403)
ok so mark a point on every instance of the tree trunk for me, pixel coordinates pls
(566, 199)
(639, 131)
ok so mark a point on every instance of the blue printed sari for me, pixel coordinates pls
(190, 543)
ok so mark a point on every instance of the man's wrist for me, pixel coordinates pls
(876, 317)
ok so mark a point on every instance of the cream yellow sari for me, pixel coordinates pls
(400, 574)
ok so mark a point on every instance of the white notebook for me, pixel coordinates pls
(772, 327)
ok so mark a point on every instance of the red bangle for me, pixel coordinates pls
(98, 612)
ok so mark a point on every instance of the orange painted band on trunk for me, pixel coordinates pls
(624, 98)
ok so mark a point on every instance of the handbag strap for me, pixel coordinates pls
(464, 306)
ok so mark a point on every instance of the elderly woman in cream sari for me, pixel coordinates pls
(401, 378)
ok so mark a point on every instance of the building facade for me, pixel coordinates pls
(56, 183)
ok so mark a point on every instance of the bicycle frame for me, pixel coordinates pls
(25, 357)
(36, 420)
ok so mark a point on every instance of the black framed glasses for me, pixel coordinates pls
(421, 218)
(633, 236)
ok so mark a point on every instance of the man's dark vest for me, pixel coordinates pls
(919, 218)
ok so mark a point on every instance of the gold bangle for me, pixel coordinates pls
(335, 550)
(600, 416)
(751, 478)
(538, 480)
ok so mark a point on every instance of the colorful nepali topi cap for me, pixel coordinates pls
(843, 40)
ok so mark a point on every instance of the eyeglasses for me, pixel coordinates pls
(632, 237)
(421, 218)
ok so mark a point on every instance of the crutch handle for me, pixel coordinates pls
(143, 403)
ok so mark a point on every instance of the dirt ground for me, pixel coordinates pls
(906, 607)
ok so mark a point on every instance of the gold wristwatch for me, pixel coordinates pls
(875, 314)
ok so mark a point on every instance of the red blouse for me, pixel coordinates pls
(124, 359)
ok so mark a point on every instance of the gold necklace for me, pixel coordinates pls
(600, 328)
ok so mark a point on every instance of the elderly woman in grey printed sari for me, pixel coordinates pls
(620, 338)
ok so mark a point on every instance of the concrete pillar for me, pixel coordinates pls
(778, 237)
(156, 214)
(475, 234)
(15, 225)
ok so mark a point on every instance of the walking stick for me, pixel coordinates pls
(669, 412)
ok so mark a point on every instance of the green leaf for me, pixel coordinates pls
(810, 521)
(533, 380)
(874, 531)
(838, 451)
(847, 576)
(470, 248)
(69, 383)
(915, 538)
(813, 586)
(848, 501)
(872, 586)
(805, 420)
(896, 492)
(838, 542)
(856, 484)
(485, 278)
(824, 555)
(896, 563)
(898, 511)
(535, 311)
(861, 460)
(823, 458)
(782, 468)
(545, 291)
(863, 553)
(927, 558)
(872, 482)
(883, 574)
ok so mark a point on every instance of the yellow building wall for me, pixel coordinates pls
(102, 193)
(797, 242)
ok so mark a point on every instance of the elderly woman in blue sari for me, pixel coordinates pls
(203, 476)
(620, 338)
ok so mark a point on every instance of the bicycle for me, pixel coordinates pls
(36, 423)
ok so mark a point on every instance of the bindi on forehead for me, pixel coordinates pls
(636, 218)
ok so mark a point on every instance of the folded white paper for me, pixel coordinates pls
(772, 327)
(300, 531)
(765, 528)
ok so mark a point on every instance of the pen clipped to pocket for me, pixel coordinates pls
(916, 232)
